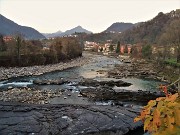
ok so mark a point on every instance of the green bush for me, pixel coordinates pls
(172, 62)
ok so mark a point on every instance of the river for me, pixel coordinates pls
(74, 75)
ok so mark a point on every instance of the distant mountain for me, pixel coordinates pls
(56, 34)
(119, 27)
(77, 29)
(8, 27)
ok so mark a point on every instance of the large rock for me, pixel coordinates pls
(106, 93)
(95, 83)
(65, 119)
(49, 81)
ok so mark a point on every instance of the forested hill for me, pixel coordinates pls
(119, 27)
(152, 30)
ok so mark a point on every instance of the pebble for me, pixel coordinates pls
(79, 95)
(28, 95)
(10, 87)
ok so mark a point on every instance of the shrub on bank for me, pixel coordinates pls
(172, 62)
(162, 116)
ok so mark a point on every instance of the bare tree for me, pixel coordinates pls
(172, 37)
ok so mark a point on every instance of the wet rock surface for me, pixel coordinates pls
(106, 93)
(103, 91)
(64, 119)
(95, 83)
(50, 81)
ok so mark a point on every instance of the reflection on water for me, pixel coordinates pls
(137, 83)
(141, 84)
(98, 63)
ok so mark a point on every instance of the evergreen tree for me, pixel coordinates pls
(18, 47)
(126, 49)
(2, 44)
(118, 47)
(111, 48)
(147, 51)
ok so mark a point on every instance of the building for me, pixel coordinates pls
(7, 38)
(160, 48)
(90, 46)
(124, 47)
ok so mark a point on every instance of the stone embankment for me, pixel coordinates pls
(23, 119)
(6, 73)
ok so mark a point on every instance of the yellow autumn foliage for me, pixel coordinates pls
(162, 116)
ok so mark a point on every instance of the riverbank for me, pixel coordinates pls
(7, 73)
(141, 68)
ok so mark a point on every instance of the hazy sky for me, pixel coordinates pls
(94, 15)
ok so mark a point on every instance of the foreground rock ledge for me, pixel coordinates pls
(16, 118)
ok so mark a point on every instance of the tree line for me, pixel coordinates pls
(21, 52)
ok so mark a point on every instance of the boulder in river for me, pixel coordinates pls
(95, 83)
(50, 82)
(106, 93)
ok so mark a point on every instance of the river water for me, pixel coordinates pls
(74, 75)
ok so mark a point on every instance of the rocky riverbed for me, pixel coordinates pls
(92, 89)
(104, 90)
(7, 73)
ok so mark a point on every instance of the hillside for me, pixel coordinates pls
(8, 27)
(150, 31)
(77, 29)
(102, 37)
(119, 27)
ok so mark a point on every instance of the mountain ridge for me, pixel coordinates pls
(78, 29)
(9, 27)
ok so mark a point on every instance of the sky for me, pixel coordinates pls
(48, 16)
